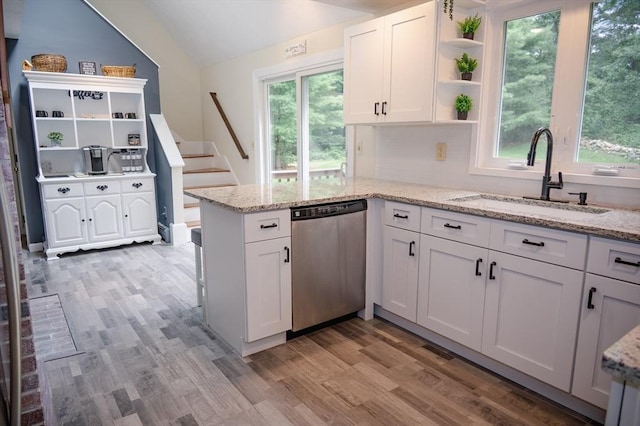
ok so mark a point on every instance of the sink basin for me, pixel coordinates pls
(530, 207)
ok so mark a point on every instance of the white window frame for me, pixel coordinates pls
(295, 69)
(567, 98)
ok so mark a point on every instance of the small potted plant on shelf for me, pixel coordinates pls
(469, 26)
(463, 105)
(466, 65)
(55, 138)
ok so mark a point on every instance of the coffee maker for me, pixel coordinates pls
(96, 159)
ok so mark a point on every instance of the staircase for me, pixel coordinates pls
(203, 168)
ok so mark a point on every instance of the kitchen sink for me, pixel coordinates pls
(530, 206)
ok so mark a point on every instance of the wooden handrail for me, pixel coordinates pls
(243, 154)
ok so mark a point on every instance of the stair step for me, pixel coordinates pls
(207, 170)
(197, 155)
(191, 205)
(193, 224)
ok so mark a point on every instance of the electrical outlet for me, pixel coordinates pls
(441, 151)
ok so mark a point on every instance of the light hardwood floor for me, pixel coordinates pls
(148, 359)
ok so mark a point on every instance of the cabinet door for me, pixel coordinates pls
(610, 309)
(139, 214)
(363, 50)
(451, 289)
(268, 272)
(65, 222)
(408, 77)
(400, 272)
(104, 217)
(531, 317)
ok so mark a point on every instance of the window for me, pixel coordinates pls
(303, 132)
(572, 66)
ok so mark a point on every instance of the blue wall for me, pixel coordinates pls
(73, 29)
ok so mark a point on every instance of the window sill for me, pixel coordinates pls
(614, 181)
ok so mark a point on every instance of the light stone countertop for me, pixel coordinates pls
(614, 223)
(622, 359)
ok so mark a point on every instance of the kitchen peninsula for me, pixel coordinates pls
(470, 264)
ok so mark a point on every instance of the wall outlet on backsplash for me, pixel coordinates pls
(441, 151)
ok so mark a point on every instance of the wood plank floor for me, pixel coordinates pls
(148, 359)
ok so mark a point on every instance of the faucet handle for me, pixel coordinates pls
(583, 197)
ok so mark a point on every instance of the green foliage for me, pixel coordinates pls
(470, 24)
(463, 103)
(55, 136)
(466, 63)
(326, 133)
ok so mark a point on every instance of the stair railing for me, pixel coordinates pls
(243, 154)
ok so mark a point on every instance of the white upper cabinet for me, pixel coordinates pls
(389, 68)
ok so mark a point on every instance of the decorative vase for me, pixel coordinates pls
(55, 143)
(466, 76)
(468, 35)
(462, 115)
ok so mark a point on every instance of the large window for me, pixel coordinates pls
(574, 67)
(305, 129)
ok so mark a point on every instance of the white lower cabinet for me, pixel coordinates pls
(104, 217)
(400, 272)
(531, 317)
(610, 308)
(451, 289)
(268, 272)
(139, 214)
(65, 219)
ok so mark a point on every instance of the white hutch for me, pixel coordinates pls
(82, 210)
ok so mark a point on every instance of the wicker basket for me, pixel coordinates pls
(49, 62)
(118, 71)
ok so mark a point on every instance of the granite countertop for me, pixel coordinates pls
(605, 222)
(622, 359)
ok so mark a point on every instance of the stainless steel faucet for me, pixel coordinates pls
(547, 183)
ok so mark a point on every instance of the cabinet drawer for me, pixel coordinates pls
(404, 216)
(456, 226)
(102, 187)
(615, 259)
(137, 184)
(267, 225)
(60, 190)
(547, 245)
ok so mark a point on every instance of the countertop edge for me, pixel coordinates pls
(622, 359)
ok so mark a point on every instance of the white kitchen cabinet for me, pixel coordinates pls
(139, 213)
(389, 68)
(268, 269)
(531, 317)
(104, 217)
(610, 309)
(65, 220)
(247, 271)
(400, 272)
(451, 289)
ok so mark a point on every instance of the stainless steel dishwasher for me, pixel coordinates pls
(328, 247)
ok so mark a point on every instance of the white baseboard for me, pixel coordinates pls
(180, 234)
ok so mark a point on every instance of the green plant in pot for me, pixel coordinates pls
(469, 26)
(466, 65)
(463, 105)
(55, 138)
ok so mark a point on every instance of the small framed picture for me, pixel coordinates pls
(134, 139)
(88, 68)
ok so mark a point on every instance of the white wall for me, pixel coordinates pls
(179, 75)
(232, 81)
(407, 154)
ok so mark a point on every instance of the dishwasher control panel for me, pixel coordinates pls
(327, 210)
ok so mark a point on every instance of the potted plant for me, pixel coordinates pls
(466, 65)
(469, 26)
(55, 138)
(463, 105)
